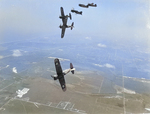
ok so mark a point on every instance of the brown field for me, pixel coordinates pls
(83, 96)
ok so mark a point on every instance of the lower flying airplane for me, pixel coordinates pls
(92, 4)
(64, 20)
(84, 6)
(60, 73)
(77, 12)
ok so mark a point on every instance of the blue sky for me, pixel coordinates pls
(122, 25)
(112, 19)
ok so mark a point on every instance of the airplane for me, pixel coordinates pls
(60, 74)
(77, 12)
(92, 4)
(64, 20)
(84, 6)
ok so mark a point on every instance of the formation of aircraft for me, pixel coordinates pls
(65, 17)
(60, 74)
(64, 20)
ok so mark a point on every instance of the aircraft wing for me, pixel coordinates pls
(63, 32)
(58, 66)
(62, 12)
(60, 76)
(62, 83)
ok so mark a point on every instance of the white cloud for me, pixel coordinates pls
(60, 49)
(105, 65)
(14, 70)
(98, 65)
(7, 66)
(148, 26)
(17, 53)
(101, 45)
(61, 59)
(1, 57)
(89, 38)
(109, 66)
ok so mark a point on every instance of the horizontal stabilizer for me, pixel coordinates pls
(72, 71)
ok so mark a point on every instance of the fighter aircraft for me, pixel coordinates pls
(92, 4)
(64, 20)
(84, 6)
(77, 12)
(60, 73)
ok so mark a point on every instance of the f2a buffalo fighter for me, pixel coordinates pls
(89, 4)
(60, 73)
(77, 12)
(64, 20)
(92, 4)
(84, 6)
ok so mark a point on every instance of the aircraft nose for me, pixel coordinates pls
(56, 60)
(64, 89)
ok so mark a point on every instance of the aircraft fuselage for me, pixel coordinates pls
(84, 6)
(77, 12)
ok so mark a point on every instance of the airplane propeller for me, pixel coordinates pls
(72, 25)
(70, 16)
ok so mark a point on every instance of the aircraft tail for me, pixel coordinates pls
(72, 68)
(81, 12)
(72, 25)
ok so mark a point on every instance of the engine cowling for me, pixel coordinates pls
(60, 26)
(60, 17)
